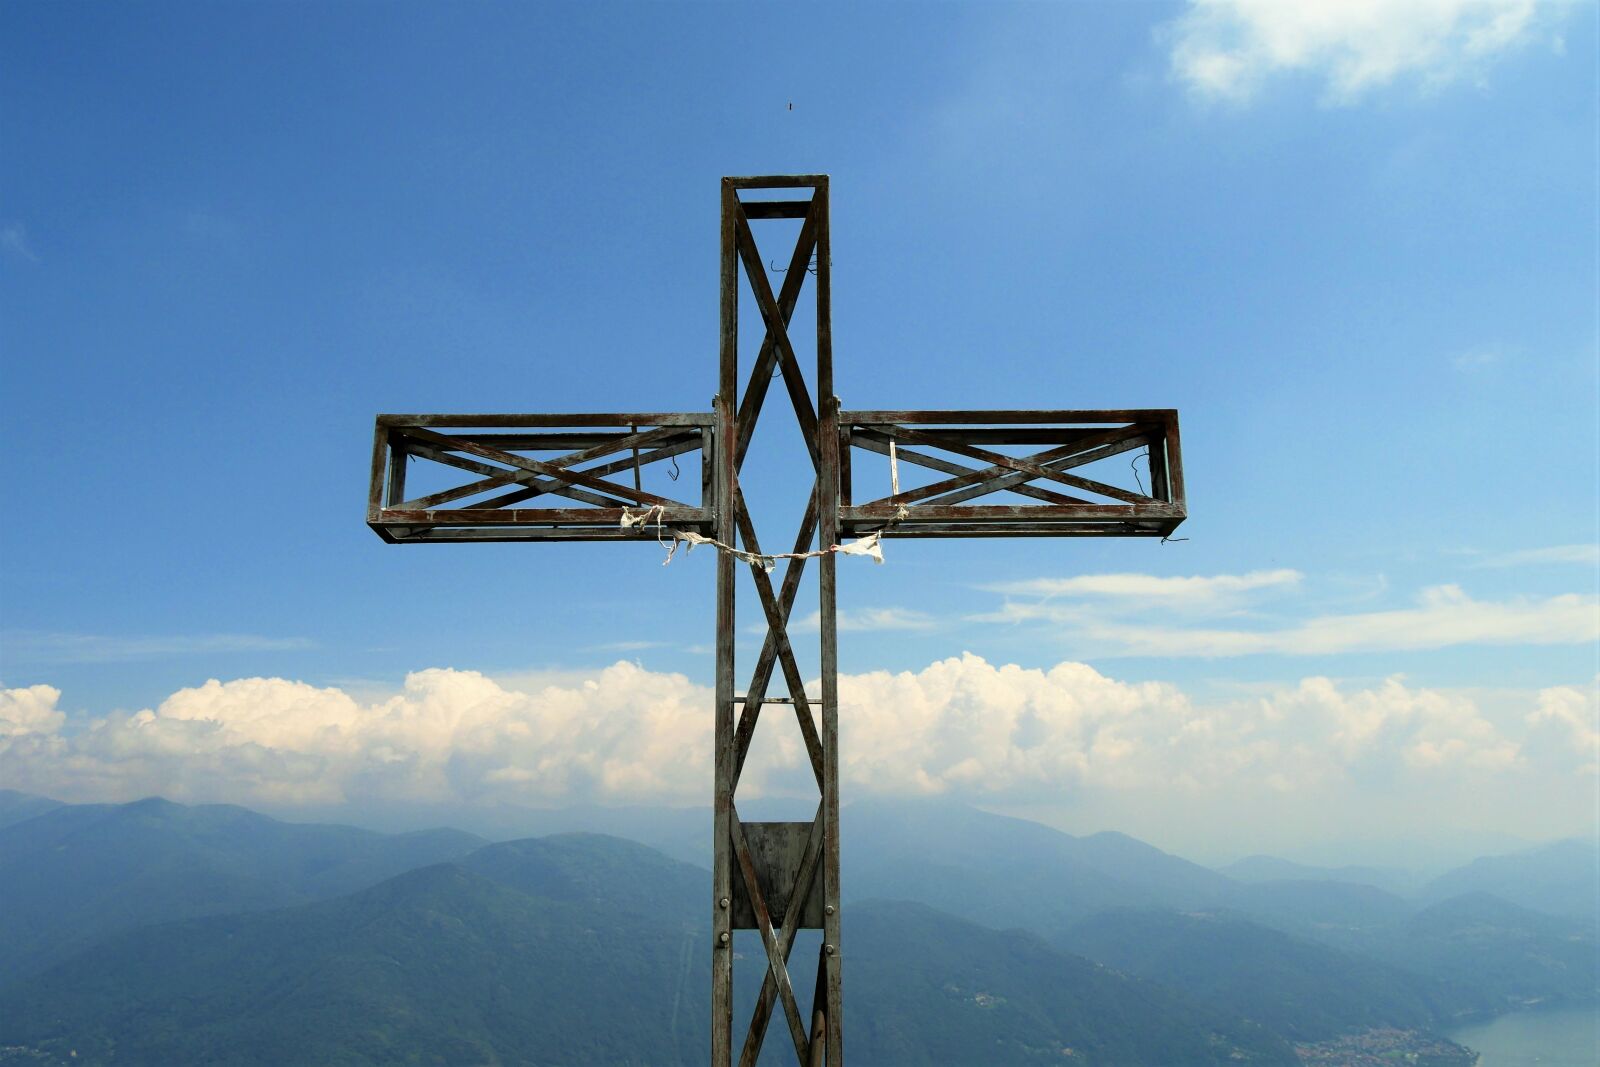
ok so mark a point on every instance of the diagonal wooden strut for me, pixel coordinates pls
(757, 689)
(778, 330)
(996, 477)
(1001, 460)
(777, 632)
(498, 478)
(761, 375)
(535, 466)
(791, 925)
(1013, 482)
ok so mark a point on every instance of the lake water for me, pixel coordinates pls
(1565, 1037)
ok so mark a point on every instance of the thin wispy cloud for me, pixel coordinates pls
(1152, 588)
(1444, 617)
(1229, 49)
(866, 620)
(14, 243)
(37, 647)
(1477, 359)
(1587, 555)
(627, 646)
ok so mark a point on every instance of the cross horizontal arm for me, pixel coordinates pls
(1081, 437)
(497, 459)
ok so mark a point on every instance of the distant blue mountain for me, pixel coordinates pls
(17, 807)
(1561, 878)
(578, 950)
(1005, 872)
(1305, 991)
(152, 928)
(1272, 869)
(74, 874)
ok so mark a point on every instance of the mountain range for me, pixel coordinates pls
(158, 933)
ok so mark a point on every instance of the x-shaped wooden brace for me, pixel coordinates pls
(552, 476)
(1008, 472)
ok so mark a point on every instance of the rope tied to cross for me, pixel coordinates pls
(869, 545)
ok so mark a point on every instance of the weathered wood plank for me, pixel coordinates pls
(776, 181)
(828, 507)
(726, 479)
(422, 535)
(776, 209)
(995, 415)
(1011, 512)
(1175, 463)
(380, 454)
(560, 418)
(1003, 529)
(556, 441)
(677, 513)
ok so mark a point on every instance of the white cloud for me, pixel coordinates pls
(1444, 616)
(30, 710)
(1226, 49)
(1196, 589)
(32, 647)
(1575, 715)
(449, 736)
(1586, 555)
(627, 735)
(868, 619)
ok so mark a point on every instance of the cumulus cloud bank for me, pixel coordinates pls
(1226, 49)
(961, 726)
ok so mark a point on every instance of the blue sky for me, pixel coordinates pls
(1357, 251)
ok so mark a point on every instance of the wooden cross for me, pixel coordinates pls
(775, 877)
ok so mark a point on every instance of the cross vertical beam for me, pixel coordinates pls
(744, 891)
(724, 473)
(828, 509)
